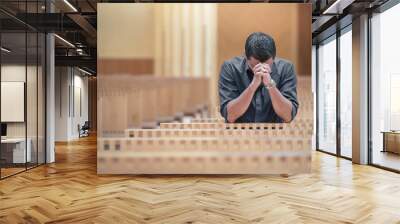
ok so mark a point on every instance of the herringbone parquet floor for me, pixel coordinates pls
(70, 191)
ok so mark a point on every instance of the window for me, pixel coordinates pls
(385, 87)
(346, 92)
(327, 96)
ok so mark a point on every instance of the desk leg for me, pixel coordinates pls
(384, 142)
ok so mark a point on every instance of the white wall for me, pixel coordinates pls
(67, 115)
(12, 73)
(33, 126)
(62, 81)
(80, 83)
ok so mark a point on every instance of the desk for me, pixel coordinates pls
(13, 150)
(391, 141)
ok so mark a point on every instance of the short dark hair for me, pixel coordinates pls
(260, 46)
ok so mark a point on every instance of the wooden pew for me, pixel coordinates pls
(207, 145)
(213, 144)
(251, 126)
(203, 156)
(208, 120)
(143, 101)
(221, 133)
(222, 162)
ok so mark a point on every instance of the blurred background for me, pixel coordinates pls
(192, 40)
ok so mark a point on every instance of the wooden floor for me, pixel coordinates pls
(5, 172)
(70, 191)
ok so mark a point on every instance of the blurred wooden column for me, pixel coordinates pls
(210, 39)
(176, 39)
(210, 50)
(167, 39)
(197, 45)
(186, 21)
(158, 40)
(186, 41)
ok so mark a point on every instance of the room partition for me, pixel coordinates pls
(22, 77)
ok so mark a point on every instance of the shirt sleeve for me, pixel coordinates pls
(227, 89)
(288, 88)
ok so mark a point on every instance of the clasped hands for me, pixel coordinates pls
(262, 73)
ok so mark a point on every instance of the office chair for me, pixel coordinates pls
(84, 130)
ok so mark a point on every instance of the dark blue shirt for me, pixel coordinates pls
(236, 76)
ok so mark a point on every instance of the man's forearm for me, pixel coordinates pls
(238, 106)
(281, 105)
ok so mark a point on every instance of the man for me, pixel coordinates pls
(258, 87)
